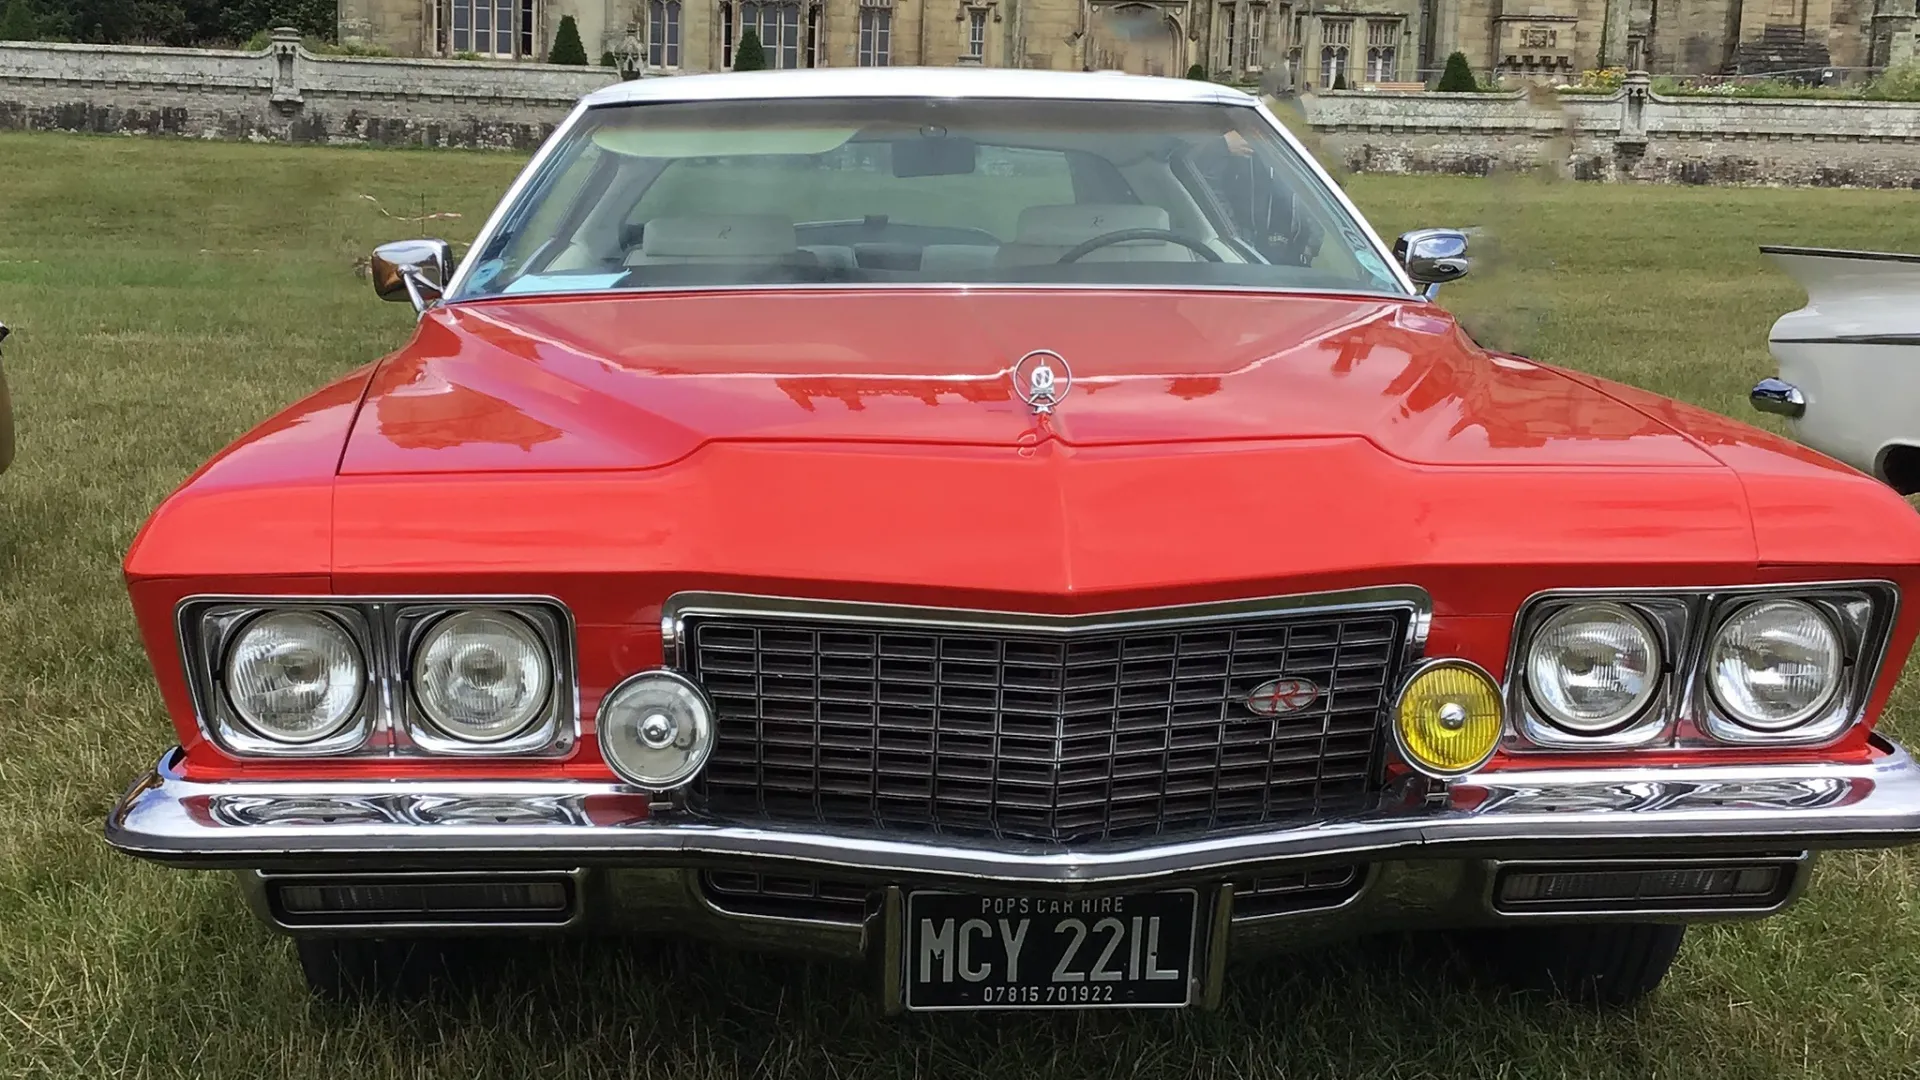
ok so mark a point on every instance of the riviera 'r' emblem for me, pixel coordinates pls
(1277, 697)
(1041, 378)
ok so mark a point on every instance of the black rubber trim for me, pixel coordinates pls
(1840, 253)
(1850, 339)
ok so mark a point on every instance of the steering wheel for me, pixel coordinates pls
(1122, 236)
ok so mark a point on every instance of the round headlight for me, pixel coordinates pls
(295, 676)
(1593, 667)
(656, 730)
(1775, 664)
(1448, 718)
(481, 676)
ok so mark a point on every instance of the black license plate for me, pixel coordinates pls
(1023, 952)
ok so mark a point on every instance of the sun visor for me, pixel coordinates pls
(669, 142)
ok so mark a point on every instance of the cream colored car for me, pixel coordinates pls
(1850, 360)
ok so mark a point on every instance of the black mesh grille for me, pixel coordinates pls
(786, 897)
(1301, 890)
(1074, 736)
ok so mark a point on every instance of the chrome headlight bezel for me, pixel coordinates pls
(387, 723)
(1851, 618)
(1621, 719)
(412, 624)
(220, 628)
(1664, 616)
(1684, 715)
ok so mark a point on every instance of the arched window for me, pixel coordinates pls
(1336, 41)
(663, 33)
(1382, 51)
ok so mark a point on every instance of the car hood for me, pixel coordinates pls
(641, 381)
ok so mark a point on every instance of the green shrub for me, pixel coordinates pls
(1898, 83)
(18, 22)
(346, 48)
(1197, 71)
(749, 56)
(318, 46)
(607, 59)
(567, 48)
(1339, 81)
(1458, 78)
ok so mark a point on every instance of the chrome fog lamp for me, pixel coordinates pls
(1775, 664)
(1592, 667)
(481, 676)
(294, 677)
(656, 730)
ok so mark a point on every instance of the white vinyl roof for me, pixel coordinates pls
(905, 82)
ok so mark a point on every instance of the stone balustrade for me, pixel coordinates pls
(1631, 134)
(285, 93)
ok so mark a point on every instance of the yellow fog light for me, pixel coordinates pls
(1448, 718)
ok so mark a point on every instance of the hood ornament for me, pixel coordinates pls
(1041, 378)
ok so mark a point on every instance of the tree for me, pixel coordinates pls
(749, 56)
(567, 48)
(1458, 78)
(1197, 71)
(17, 22)
(607, 59)
(174, 22)
(1339, 81)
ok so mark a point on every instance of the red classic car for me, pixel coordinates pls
(1023, 529)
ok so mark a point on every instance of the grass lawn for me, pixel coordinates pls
(170, 294)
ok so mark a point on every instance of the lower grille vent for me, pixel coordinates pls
(781, 897)
(1307, 890)
(416, 900)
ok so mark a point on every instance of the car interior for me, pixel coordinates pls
(895, 202)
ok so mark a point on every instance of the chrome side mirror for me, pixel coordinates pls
(416, 271)
(1433, 257)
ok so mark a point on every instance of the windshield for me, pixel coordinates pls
(867, 191)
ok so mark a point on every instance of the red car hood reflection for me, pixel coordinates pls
(638, 382)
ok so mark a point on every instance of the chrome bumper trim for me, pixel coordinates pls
(1779, 397)
(1564, 813)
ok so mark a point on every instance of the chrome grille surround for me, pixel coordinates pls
(1042, 728)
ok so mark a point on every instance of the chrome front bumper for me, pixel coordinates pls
(385, 826)
(1425, 859)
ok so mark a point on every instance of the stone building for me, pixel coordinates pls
(1318, 43)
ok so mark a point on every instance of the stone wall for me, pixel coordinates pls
(1631, 135)
(286, 94)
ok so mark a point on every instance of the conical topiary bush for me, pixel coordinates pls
(749, 56)
(567, 48)
(1458, 78)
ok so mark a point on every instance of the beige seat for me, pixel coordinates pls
(1045, 233)
(719, 239)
